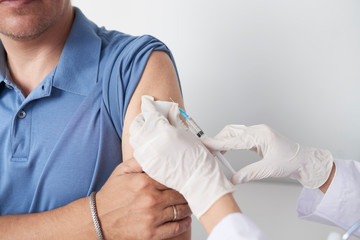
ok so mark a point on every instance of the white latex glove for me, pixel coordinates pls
(174, 157)
(281, 157)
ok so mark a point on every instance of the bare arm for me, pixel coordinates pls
(72, 221)
(220, 209)
(159, 80)
(128, 206)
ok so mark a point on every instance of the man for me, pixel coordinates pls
(68, 93)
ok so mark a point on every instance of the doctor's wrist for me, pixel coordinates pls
(327, 184)
(220, 209)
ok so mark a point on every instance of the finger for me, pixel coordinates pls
(142, 127)
(172, 197)
(163, 107)
(173, 229)
(214, 144)
(174, 117)
(233, 130)
(231, 137)
(255, 171)
(127, 167)
(130, 166)
(147, 104)
(153, 120)
(149, 108)
(182, 211)
(137, 124)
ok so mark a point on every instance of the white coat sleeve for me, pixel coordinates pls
(236, 226)
(340, 205)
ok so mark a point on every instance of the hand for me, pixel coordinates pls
(174, 157)
(281, 157)
(133, 206)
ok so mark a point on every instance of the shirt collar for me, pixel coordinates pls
(3, 67)
(77, 70)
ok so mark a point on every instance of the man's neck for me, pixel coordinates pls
(29, 61)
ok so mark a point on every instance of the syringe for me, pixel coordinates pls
(200, 133)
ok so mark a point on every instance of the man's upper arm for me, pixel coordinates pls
(159, 80)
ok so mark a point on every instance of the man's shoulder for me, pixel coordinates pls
(119, 41)
(85, 29)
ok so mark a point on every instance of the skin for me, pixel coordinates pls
(327, 184)
(220, 209)
(142, 210)
(28, 23)
(160, 81)
(33, 33)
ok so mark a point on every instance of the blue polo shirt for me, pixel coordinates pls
(63, 140)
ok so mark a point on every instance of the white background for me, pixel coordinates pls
(294, 65)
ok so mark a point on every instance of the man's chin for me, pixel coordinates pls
(23, 28)
(21, 36)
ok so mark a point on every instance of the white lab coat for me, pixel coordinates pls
(339, 206)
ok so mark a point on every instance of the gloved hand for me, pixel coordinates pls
(281, 157)
(174, 157)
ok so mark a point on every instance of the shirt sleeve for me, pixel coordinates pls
(341, 204)
(236, 226)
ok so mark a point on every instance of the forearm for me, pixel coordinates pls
(220, 209)
(72, 221)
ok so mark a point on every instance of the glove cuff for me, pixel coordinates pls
(206, 185)
(316, 168)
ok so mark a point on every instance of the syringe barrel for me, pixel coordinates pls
(194, 127)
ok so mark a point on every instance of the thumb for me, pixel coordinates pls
(137, 124)
(174, 117)
(135, 129)
(144, 126)
(255, 171)
(127, 167)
